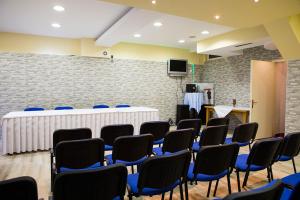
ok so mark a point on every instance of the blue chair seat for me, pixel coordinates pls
(158, 151)
(196, 146)
(284, 158)
(132, 181)
(34, 109)
(292, 180)
(241, 144)
(108, 148)
(127, 163)
(158, 141)
(94, 166)
(204, 177)
(241, 164)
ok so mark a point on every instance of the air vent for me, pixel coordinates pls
(241, 45)
(213, 56)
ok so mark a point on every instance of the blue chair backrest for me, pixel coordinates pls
(100, 106)
(64, 108)
(122, 106)
(34, 109)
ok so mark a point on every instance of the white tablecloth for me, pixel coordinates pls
(194, 100)
(32, 131)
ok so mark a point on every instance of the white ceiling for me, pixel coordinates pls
(81, 18)
(108, 23)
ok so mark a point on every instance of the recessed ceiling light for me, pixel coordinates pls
(157, 24)
(55, 25)
(205, 32)
(181, 41)
(153, 2)
(256, 1)
(58, 8)
(137, 35)
(217, 16)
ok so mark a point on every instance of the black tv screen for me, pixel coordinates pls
(177, 67)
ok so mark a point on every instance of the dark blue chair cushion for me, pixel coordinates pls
(241, 164)
(241, 144)
(158, 141)
(287, 194)
(137, 162)
(196, 147)
(64, 108)
(122, 106)
(292, 180)
(132, 181)
(158, 151)
(100, 106)
(108, 148)
(34, 109)
(284, 158)
(94, 166)
(204, 177)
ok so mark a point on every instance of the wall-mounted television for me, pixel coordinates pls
(177, 67)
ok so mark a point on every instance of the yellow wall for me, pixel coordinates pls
(22, 43)
(295, 24)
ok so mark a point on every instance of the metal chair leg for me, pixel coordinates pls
(238, 180)
(171, 195)
(132, 169)
(228, 183)
(216, 187)
(186, 191)
(269, 174)
(130, 196)
(194, 158)
(181, 191)
(163, 196)
(246, 178)
(295, 170)
(208, 191)
(249, 147)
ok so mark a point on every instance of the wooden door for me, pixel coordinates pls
(262, 94)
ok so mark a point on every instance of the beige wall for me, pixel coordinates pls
(22, 43)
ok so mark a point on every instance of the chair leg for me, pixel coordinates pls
(130, 196)
(246, 178)
(238, 180)
(171, 195)
(269, 174)
(181, 192)
(249, 147)
(132, 169)
(295, 170)
(228, 183)
(163, 196)
(193, 154)
(216, 187)
(186, 191)
(208, 191)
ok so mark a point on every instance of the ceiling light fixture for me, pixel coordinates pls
(205, 32)
(153, 2)
(137, 35)
(256, 1)
(181, 41)
(217, 17)
(58, 8)
(55, 25)
(157, 24)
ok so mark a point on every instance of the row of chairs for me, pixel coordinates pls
(71, 108)
(157, 175)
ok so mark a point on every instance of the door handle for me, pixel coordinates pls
(253, 102)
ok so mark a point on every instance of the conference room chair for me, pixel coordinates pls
(212, 135)
(193, 113)
(78, 155)
(213, 163)
(107, 183)
(21, 188)
(64, 108)
(158, 129)
(110, 132)
(131, 150)
(100, 106)
(175, 141)
(292, 189)
(122, 106)
(290, 148)
(270, 191)
(34, 109)
(261, 157)
(67, 135)
(195, 124)
(160, 174)
(218, 121)
(244, 134)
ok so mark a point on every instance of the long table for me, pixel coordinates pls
(32, 131)
(235, 110)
